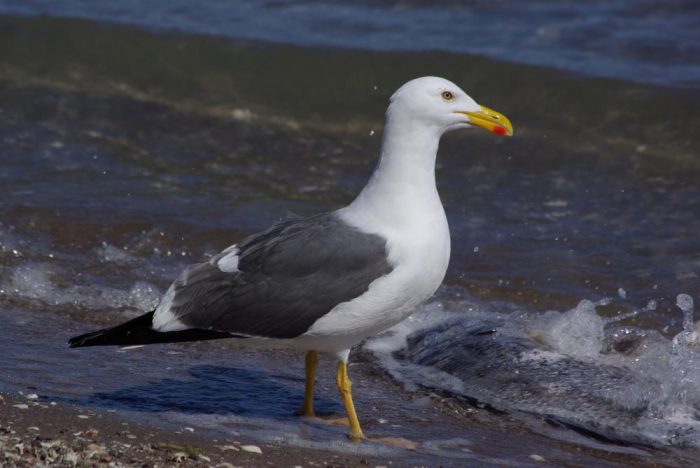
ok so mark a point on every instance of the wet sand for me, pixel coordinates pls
(35, 431)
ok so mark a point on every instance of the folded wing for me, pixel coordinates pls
(276, 283)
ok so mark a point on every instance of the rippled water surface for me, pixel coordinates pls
(654, 41)
(127, 155)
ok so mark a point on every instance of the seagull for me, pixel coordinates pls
(323, 284)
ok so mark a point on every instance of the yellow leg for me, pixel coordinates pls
(344, 387)
(311, 361)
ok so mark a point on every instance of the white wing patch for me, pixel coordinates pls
(229, 262)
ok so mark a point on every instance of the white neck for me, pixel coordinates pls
(403, 183)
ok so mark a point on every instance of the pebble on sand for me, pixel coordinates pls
(251, 449)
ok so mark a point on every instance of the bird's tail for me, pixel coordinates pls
(138, 331)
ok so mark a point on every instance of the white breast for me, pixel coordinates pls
(418, 250)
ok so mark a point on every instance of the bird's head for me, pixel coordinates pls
(441, 104)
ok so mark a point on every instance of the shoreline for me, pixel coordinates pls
(34, 430)
(160, 419)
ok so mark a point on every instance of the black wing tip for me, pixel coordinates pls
(77, 341)
(87, 339)
(138, 331)
(115, 336)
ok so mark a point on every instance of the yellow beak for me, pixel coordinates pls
(489, 119)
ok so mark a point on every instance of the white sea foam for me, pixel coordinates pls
(47, 283)
(577, 332)
(112, 254)
(666, 373)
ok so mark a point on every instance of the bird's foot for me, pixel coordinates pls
(356, 436)
(330, 419)
(337, 420)
(396, 442)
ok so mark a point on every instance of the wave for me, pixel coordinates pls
(611, 39)
(614, 382)
(240, 81)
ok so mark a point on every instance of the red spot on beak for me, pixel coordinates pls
(499, 131)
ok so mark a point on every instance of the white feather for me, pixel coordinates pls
(229, 262)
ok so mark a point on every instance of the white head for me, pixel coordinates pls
(440, 104)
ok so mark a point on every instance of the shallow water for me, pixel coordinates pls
(119, 170)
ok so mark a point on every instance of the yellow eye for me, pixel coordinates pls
(447, 96)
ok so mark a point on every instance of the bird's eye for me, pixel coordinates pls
(447, 96)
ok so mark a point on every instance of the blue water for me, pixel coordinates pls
(652, 41)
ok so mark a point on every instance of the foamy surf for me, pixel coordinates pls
(573, 367)
(46, 283)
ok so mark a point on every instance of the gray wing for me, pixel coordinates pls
(288, 277)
